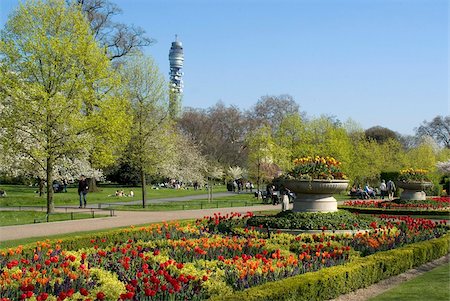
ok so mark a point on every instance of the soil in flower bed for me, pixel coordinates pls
(340, 220)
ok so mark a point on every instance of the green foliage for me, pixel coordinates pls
(57, 90)
(389, 175)
(312, 221)
(144, 85)
(262, 151)
(422, 157)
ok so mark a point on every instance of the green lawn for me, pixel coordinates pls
(8, 218)
(433, 285)
(237, 200)
(21, 195)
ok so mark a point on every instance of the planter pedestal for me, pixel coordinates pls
(315, 195)
(413, 190)
(314, 203)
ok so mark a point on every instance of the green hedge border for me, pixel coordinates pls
(332, 282)
(394, 211)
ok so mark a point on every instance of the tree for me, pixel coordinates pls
(219, 131)
(380, 134)
(289, 140)
(186, 162)
(119, 39)
(57, 89)
(151, 129)
(438, 129)
(271, 110)
(262, 151)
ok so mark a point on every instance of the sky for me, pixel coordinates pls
(378, 62)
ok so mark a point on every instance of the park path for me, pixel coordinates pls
(120, 219)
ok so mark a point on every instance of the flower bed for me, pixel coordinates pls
(193, 262)
(435, 203)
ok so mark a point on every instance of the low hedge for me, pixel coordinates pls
(331, 282)
(442, 213)
(312, 220)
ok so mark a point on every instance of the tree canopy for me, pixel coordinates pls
(57, 89)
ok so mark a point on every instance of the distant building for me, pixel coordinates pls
(176, 59)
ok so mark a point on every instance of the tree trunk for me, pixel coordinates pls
(258, 181)
(143, 187)
(50, 205)
(92, 184)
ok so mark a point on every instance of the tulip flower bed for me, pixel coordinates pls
(214, 256)
(435, 203)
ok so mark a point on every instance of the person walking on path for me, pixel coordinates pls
(391, 189)
(82, 190)
(383, 189)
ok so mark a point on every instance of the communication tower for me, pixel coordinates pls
(176, 59)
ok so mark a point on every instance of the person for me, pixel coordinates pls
(131, 193)
(390, 189)
(82, 190)
(369, 190)
(361, 193)
(285, 198)
(383, 189)
(2, 193)
(64, 185)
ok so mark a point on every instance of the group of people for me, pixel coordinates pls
(121, 193)
(238, 186)
(385, 190)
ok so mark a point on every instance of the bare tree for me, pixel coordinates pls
(438, 129)
(271, 110)
(119, 39)
(219, 131)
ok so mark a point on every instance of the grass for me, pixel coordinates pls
(433, 285)
(237, 200)
(22, 195)
(9, 218)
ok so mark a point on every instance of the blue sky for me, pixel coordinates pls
(379, 62)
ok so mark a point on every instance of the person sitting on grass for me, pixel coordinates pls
(2, 193)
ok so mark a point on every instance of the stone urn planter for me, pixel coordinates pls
(413, 190)
(315, 195)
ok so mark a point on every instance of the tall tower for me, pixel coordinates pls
(176, 59)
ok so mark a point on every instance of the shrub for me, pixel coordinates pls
(312, 221)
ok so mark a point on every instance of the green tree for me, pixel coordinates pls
(261, 153)
(152, 138)
(290, 139)
(57, 88)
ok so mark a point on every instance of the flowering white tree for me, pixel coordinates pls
(444, 167)
(186, 162)
(235, 172)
